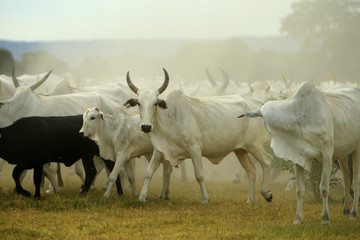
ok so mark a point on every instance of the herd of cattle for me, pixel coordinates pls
(57, 121)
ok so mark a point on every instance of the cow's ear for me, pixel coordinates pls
(161, 103)
(131, 103)
(102, 116)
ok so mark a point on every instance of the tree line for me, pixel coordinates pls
(328, 30)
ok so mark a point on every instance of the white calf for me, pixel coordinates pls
(120, 139)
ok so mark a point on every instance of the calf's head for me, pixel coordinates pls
(90, 120)
(148, 102)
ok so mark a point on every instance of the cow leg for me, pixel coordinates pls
(38, 171)
(183, 171)
(245, 161)
(324, 188)
(346, 182)
(153, 165)
(199, 173)
(79, 170)
(265, 161)
(59, 176)
(130, 172)
(16, 176)
(48, 172)
(356, 182)
(121, 159)
(167, 170)
(237, 177)
(290, 185)
(90, 173)
(109, 167)
(23, 175)
(99, 166)
(108, 170)
(300, 190)
(350, 164)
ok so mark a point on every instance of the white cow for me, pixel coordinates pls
(181, 127)
(8, 85)
(316, 125)
(120, 140)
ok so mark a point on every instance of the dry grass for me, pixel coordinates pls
(70, 216)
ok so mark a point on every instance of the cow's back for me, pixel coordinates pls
(210, 123)
(45, 139)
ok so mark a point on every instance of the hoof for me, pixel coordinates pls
(353, 215)
(325, 222)
(25, 193)
(142, 199)
(205, 201)
(49, 191)
(297, 222)
(250, 201)
(325, 219)
(165, 198)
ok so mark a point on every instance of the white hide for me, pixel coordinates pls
(119, 139)
(317, 125)
(196, 127)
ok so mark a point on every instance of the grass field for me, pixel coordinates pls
(70, 216)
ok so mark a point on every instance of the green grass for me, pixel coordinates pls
(227, 216)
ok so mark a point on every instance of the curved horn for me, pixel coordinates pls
(41, 81)
(15, 81)
(210, 78)
(166, 82)
(226, 79)
(130, 84)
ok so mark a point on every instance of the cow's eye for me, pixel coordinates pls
(92, 118)
(156, 104)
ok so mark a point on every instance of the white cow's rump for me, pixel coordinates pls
(317, 125)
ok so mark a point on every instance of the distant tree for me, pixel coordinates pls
(330, 27)
(6, 61)
(41, 61)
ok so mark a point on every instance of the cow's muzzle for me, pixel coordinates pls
(146, 128)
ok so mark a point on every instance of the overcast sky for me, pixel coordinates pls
(29, 20)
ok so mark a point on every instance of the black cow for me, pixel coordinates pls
(33, 141)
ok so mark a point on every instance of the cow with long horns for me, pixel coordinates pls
(181, 127)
